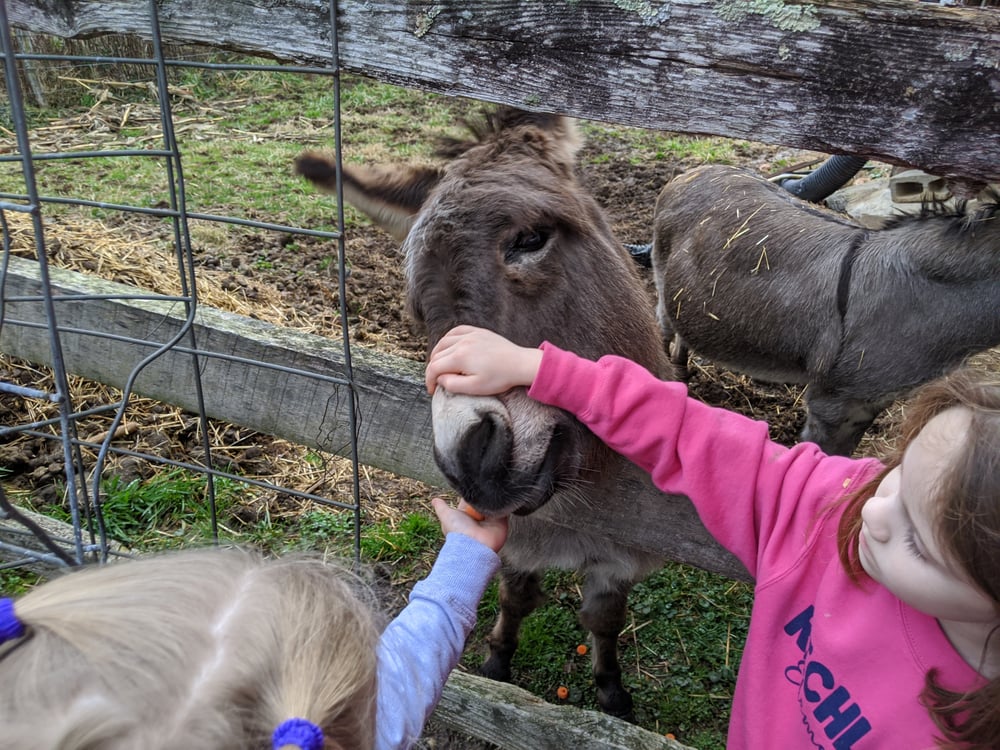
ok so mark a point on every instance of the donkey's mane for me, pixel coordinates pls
(491, 123)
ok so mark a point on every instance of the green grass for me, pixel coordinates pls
(413, 535)
(655, 145)
(320, 527)
(238, 161)
(14, 582)
(172, 509)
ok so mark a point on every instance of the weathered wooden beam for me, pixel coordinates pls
(262, 376)
(515, 719)
(294, 386)
(906, 82)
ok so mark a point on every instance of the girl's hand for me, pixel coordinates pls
(490, 531)
(479, 362)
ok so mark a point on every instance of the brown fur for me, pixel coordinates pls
(506, 238)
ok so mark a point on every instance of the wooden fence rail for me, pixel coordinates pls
(905, 82)
(395, 424)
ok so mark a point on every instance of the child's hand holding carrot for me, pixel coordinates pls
(466, 520)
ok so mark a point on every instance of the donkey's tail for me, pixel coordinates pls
(318, 168)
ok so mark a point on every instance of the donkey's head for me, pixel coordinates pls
(504, 237)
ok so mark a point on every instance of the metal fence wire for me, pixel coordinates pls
(26, 538)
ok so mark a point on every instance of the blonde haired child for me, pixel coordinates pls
(222, 649)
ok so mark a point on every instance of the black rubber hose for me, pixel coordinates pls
(641, 254)
(832, 175)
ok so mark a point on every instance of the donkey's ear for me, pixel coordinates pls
(564, 129)
(570, 136)
(390, 196)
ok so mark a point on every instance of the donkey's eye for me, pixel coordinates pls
(529, 241)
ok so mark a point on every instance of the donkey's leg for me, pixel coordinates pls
(837, 423)
(677, 351)
(603, 614)
(673, 344)
(520, 594)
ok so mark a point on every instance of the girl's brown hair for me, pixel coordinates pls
(208, 648)
(967, 500)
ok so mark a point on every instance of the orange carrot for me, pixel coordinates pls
(474, 514)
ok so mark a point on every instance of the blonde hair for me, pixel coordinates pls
(194, 649)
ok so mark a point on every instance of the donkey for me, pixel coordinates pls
(763, 283)
(503, 236)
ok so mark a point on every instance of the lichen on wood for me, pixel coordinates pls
(646, 11)
(781, 15)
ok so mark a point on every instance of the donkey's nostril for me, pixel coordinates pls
(487, 448)
(480, 437)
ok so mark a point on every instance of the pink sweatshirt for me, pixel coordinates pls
(827, 664)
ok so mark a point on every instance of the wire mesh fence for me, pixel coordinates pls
(90, 428)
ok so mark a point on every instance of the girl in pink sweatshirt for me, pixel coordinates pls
(877, 600)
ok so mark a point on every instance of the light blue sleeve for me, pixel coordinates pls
(421, 646)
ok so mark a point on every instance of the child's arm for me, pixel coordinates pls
(749, 491)
(759, 499)
(635, 413)
(421, 646)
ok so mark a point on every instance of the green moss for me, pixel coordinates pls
(781, 15)
(646, 11)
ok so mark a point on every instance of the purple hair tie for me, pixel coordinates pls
(10, 626)
(301, 733)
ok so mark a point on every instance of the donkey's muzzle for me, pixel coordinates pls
(499, 453)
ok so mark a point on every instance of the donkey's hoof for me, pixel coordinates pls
(496, 669)
(613, 698)
(617, 703)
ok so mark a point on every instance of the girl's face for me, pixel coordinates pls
(898, 548)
